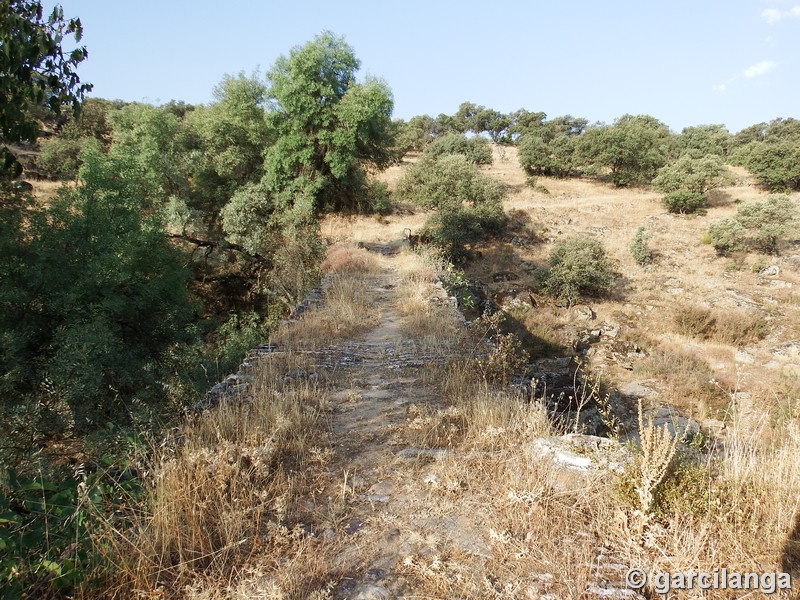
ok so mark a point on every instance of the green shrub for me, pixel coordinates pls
(47, 525)
(727, 237)
(455, 226)
(697, 174)
(757, 227)
(640, 251)
(467, 202)
(432, 183)
(578, 267)
(684, 201)
(59, 157)
(775, 165)
(475, 149)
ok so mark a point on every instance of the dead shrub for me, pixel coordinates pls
(733, 327)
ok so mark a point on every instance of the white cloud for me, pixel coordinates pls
(720, 87)
(774, 15)
(758, 69)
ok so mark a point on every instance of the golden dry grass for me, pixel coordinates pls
(347, 311)
(223, 489)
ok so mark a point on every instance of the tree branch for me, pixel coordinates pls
(219, 245)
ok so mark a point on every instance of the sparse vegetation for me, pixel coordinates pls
(734, 327)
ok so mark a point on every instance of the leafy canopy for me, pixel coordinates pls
(327, 126)
(630, 151)
(693, 173)
(35, 69)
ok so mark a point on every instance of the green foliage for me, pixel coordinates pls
(630, 151)
(468, 202)
(47, 523)
(548, 148)
(578, 267)
(640, 251)
(776, 165)
(456, 283)
(693, 173)
(59, 157)
(453, 227)
(415, 134)
(475, 149)
(452, 179)
(93, 299)
(703, 140)
(684, 201)
(328, 128)
(36, 69)
(479, 119)
(757, 227)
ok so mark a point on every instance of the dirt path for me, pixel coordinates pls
(380, 384)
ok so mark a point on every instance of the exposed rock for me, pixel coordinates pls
(771, 271)
(422, 454)
(369, 591)
(744, 357)
(581, 453)
(505, 276)
(675, 422)
(774, 283)
(636, 389)
(581, 312)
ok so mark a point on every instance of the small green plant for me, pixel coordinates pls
(507, 355)
(578, 267)
(640, 251)
(684, 201)
(47, 525)
(457, 284)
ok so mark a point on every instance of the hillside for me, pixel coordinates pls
(370, 452)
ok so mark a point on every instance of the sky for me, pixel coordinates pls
(685, 62)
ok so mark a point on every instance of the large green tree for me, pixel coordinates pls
(629, 152)
(548, 148)
(328, 128)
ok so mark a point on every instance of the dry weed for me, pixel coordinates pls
(346, 311)
(733, 327)
(348, 258)
(219, 491)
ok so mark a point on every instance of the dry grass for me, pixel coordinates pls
(691, 382)
(224, 490)
(488, 519)
(349, 259)
(347, 310)
(732, 327)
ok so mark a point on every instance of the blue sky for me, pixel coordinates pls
(686, 62)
